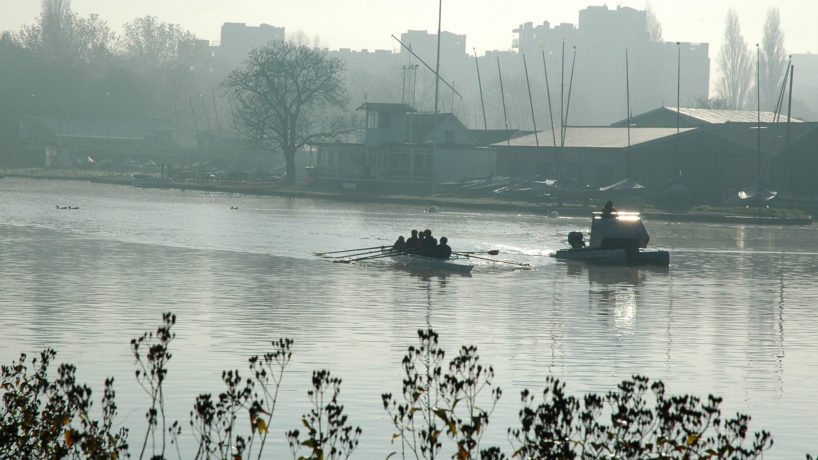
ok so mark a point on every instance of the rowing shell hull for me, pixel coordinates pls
(432, 264)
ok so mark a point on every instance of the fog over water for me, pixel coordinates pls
(733, 315)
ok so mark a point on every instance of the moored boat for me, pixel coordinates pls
(617, 238)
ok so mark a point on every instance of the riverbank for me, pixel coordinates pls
(735, 215)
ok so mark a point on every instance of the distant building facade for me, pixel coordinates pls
(599, 84)
(237, 39)
(403, 151)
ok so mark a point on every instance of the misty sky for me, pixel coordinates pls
(367, 24)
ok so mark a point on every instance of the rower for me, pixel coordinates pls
(412, 242)
(443, 251)
(400, 244)
(428, 243)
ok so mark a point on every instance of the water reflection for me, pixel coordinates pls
(734, 315)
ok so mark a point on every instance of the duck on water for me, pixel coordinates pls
(617, 237)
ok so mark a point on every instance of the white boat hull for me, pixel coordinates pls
(614, 256)
(432, 264)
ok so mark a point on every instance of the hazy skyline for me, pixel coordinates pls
(368, 24)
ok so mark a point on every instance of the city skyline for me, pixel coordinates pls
(369, 25)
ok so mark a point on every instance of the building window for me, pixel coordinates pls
(384, 120)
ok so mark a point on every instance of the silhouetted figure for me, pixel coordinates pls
(443, 251)
(575, 239)
(400, 244)
(428, 243)
(608, 210)
(413, 241)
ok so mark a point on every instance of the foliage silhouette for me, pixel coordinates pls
(44, 418)
(50, 419)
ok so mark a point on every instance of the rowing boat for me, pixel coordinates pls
(418, 262)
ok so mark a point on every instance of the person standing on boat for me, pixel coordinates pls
(608, 210)
(443, 251)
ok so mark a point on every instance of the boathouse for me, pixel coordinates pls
(402, 150)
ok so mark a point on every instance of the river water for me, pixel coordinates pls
(734, 315)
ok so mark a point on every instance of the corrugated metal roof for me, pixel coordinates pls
(724, 116)
(595, 137)
(388, 106)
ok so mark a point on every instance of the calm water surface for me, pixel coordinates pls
(734, 315)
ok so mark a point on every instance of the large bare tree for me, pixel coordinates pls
(735, 65)
(153, 44)
(61, 35)
(652, 24)
(773, 59)
(283, 97)
(162, 53)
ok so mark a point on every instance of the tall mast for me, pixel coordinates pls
(568, 103)
(548, 92)
(562, 91)
(480, 85)
(531, 102)
(503, 96)
(758, 106)
(628, 108)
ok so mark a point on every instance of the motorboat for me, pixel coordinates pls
(617, 238)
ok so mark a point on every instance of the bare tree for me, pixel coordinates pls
(735, 65)
(61, 35)
(652, 24)
(773, 59)
(282, 95)
(152, 43)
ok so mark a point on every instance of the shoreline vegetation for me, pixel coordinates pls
(441, 411)
(704, 214)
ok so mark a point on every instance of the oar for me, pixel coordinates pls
(492, 252)
(388, 253)
(345, 250)
(343, 256)
(500, 261)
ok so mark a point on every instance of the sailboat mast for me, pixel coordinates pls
(548, 92)
(568, 103)
(628, 97)
(628, 108)
(480, 85)
(758, 106)
(437, 65)
(503, 96)
(531, 102)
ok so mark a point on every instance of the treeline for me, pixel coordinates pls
(66, 65)
(441, 410)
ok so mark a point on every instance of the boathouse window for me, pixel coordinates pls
(384, 119)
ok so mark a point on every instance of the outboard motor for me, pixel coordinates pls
(575, 239)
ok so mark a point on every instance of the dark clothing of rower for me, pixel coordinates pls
(428, 244)
(443, 251)
(399, 245)
(413, 241)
